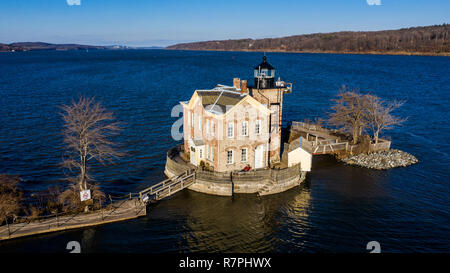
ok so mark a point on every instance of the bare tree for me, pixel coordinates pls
(87, 131)
(378, 115)
(348, 112)
(10, 196)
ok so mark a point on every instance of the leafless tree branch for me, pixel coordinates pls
(87, 130)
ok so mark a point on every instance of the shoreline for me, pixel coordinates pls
(389, 53)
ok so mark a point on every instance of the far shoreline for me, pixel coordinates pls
(390, 53)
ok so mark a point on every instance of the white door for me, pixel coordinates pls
(259, 157)
(193, 156)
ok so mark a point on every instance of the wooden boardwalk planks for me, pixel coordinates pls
(121, 211)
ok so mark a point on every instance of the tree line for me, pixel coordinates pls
(87, 132)
(429, 39)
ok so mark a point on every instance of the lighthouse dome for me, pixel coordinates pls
(264, 75)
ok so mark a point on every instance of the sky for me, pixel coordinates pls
(166, 22)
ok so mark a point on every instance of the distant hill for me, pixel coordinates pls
(27, 46)
(149, 47)
(428, 40)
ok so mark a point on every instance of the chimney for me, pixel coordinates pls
(244, 86)
(237, 83)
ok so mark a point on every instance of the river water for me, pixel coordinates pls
(338, 209)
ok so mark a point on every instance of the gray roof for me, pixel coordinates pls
(216, 100)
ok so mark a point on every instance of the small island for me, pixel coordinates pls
(234, 141)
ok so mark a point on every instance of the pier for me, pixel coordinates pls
(131, 206)
(167, 187)
(317, 140)
(126, 209)
(307, 140)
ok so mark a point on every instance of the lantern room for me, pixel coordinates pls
(264, 75)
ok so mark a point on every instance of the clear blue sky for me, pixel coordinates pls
(164, 22)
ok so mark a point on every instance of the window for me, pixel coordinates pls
(207, 126)
(213, 128)
(230, 130)
(244, 155)
(192, 120)
(258, 127)
(212, 153)
(200, 123)
(200, 153)
(245, 128)
(230, 157)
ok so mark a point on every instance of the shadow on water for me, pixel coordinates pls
(188, 222)
(243, 223)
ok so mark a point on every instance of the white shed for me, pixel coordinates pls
(301, 156)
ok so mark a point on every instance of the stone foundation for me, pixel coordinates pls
(262, 182)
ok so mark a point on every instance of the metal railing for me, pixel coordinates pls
(167, 187)
(42, 223)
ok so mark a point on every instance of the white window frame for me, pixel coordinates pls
(246, 154)
(192, 119)
(232, 130)
(232, 157)
(207, 126)
(244, 125)
(258, 125)
(200, 123)
(207, 151)
(212, 153)
(188, 118)
(212, 128)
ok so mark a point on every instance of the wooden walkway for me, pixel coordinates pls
(122, 210)
(317, 141)
(167, 187)
(130, 208)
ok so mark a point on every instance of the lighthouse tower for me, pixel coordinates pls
(270, 93)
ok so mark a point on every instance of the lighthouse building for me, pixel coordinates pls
(230, 128)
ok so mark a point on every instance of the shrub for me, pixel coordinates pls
(10, 196)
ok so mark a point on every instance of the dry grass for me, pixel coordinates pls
(10, 196)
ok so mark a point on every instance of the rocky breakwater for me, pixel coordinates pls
(382, 160)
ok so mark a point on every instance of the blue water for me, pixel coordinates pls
(339, 208)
